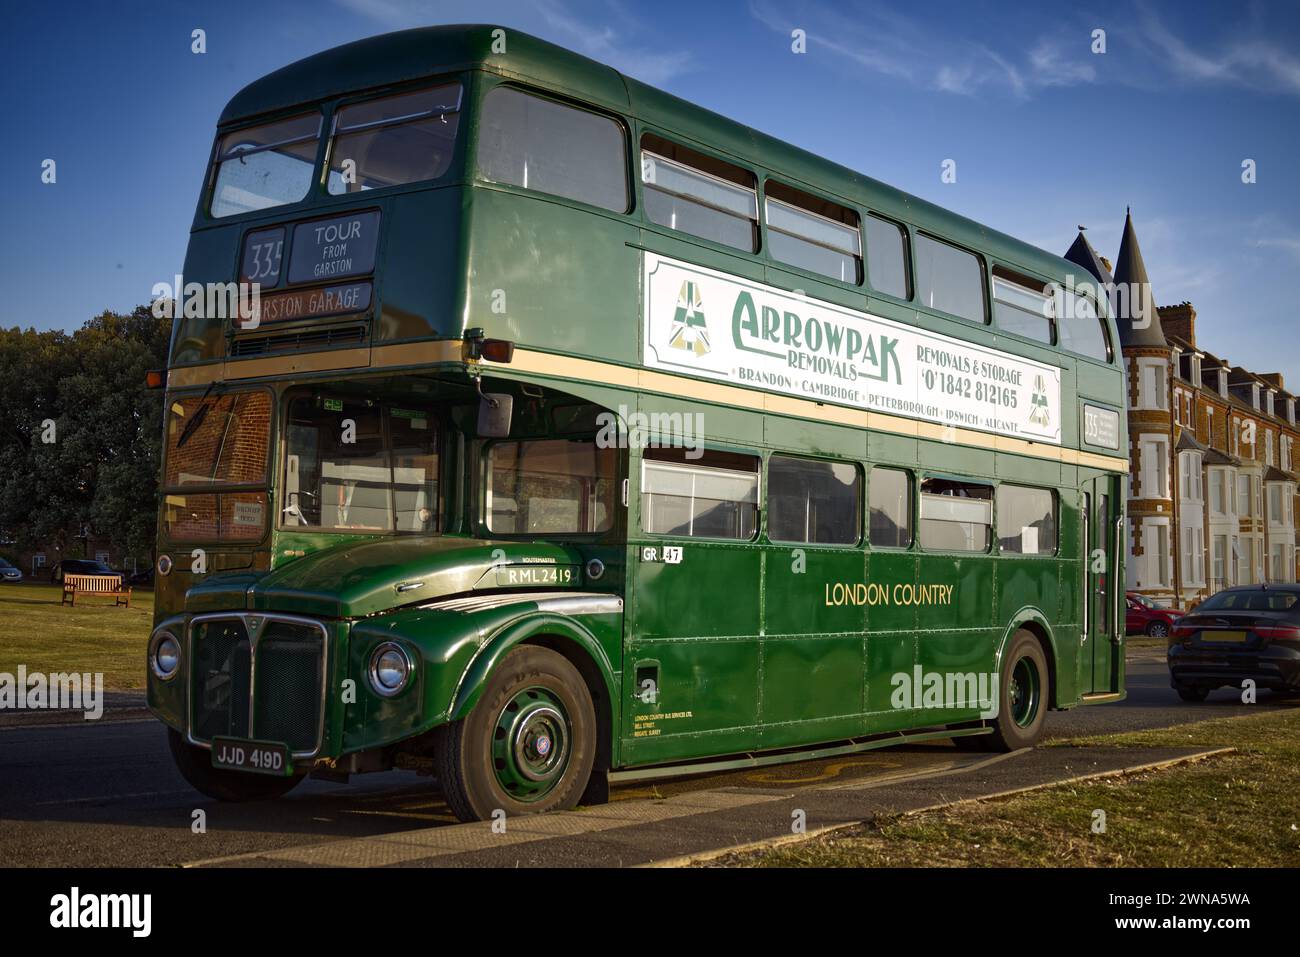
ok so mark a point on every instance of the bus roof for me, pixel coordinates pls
(410, 55)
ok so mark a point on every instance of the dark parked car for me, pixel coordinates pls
(8, 573)
(143, 577)
(79, 566)
(1252, 631)
(1144, 617)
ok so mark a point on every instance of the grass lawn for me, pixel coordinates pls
(1235, 810)
(92, 637)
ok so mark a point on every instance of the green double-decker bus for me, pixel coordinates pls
(582, 435)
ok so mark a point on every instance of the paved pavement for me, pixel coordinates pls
(107, 794)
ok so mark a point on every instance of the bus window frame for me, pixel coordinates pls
(643, 129)
(320, 185)
(909, 277)
(479, 520)
(1054, 493)
(990, 542)
(760, 519)
(765, 245)
(1101, 307)
(1016, 275)
(267, 485)
(471, 146)
(324, 111)
(765, 504)
(985, 283)
(913, 509)
(442, 516)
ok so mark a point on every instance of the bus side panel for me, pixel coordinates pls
(546, 275)
(814, 618)
(694, 633)
(956, 635)
(891, 642)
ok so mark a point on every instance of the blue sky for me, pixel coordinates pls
(1045, 133)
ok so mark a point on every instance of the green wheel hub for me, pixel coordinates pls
(531, 744)
(1024, 693)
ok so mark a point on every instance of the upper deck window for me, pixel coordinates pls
(887, 257)
(813, 234)
(394, 140)
(265, 166)
(1080, 329)
(542, 145)
(698, 194)
(949, 279)
(1022, 305)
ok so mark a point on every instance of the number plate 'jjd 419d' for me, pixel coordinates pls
(260, 757)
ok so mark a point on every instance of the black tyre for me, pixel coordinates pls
(195, 765)
(1022, 695)
(1157, 629)
(1192, 692)
(528, 745)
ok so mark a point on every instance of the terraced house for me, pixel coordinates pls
(1212, 484)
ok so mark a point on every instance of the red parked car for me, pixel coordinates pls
(1145, 618)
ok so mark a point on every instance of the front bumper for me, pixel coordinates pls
(1275, 666)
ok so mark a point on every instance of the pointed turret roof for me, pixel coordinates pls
(1082, 254)
(1135, 303)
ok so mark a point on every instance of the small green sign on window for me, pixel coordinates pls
(333, 405)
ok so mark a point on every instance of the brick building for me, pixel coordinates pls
(1212, 449)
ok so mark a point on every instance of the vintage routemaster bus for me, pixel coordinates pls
(584, 435)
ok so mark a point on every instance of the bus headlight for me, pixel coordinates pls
(165, 655)
(390, 669)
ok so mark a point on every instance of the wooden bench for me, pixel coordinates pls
(109, 586)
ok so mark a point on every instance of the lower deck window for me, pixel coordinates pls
(956, 516)
(1026, 520)
(713, 496)
(550, 486)
(356, 465)
(812, 501)
(891, 508)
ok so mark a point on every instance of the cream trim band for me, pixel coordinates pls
(640, 380)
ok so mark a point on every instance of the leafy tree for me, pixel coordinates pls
(101, 470)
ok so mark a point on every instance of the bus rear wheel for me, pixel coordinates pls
(528, 745)
(195, 765)
(1022, 695)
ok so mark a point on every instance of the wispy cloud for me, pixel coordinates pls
(892, 44)
(604, 35)
(604, 43)
(1246, 57)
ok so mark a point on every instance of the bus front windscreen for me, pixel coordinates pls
(216, 458)
(360, 466)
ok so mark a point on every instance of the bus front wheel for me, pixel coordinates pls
(527, 746)
(195, 765)
(1022, 695)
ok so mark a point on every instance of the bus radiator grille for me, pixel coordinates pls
(221, 675)
(289, 677)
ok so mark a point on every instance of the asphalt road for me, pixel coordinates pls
(108, 794)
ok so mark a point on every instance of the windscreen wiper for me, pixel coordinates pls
(192, 425)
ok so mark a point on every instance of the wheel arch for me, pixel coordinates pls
(565, 637)
(1032, 620)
